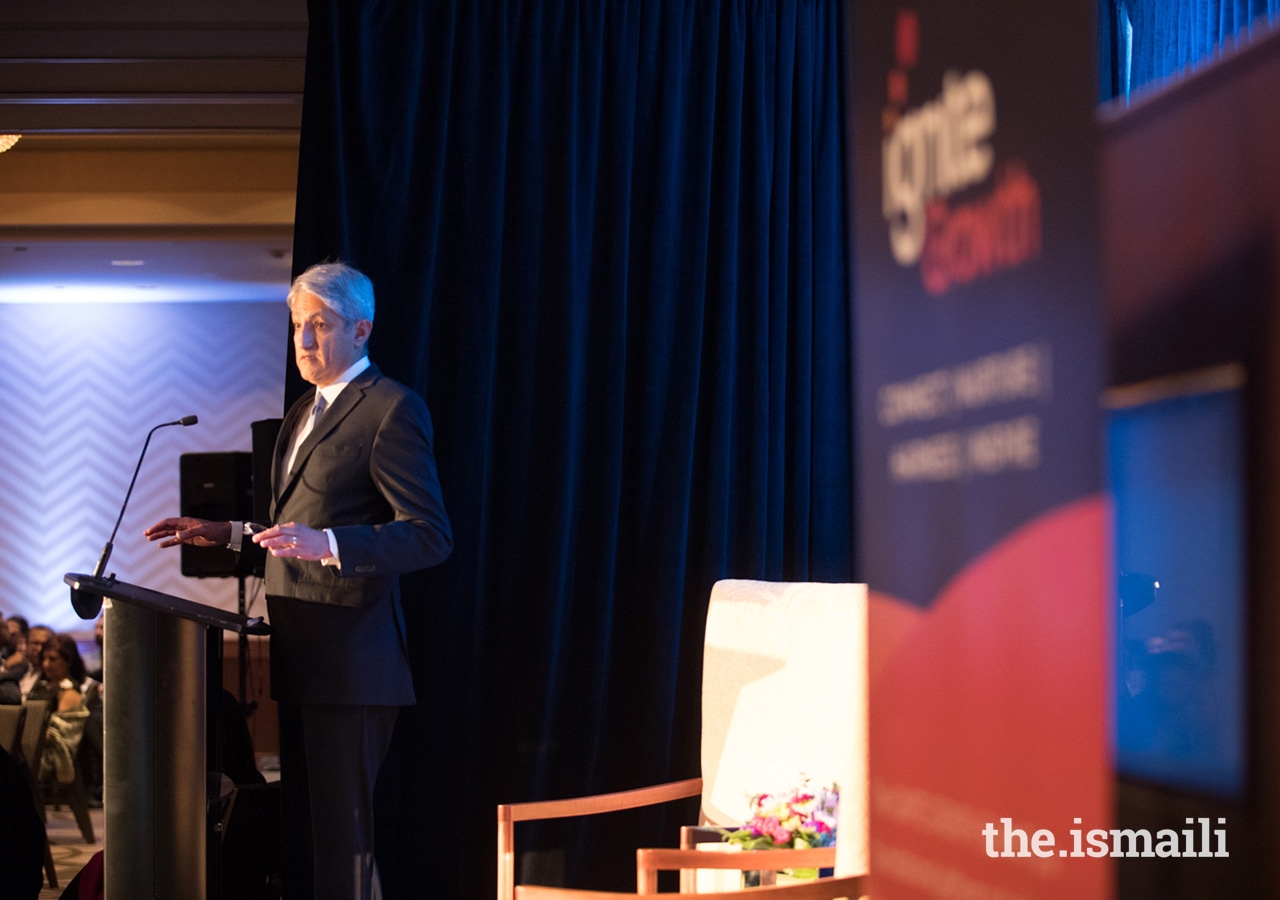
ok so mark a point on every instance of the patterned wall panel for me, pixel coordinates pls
(80, 386)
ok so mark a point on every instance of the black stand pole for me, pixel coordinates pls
(242, 657)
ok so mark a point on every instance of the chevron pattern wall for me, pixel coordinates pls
(80, 387)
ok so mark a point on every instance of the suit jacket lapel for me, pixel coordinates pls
(351, 395)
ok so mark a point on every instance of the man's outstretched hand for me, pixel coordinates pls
(189, 530)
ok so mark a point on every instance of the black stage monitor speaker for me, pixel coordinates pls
(216, 486)
(264, 447)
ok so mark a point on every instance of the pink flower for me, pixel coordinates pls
(763, 826)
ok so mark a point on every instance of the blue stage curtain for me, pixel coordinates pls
(608, 242)
(1170, 36)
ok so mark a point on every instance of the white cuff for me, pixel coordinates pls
(332, 558)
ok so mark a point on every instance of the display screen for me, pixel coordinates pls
(1177, 472)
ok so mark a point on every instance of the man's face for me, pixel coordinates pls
(35, 645)
(324, 343)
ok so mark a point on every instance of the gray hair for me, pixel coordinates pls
(344, 289)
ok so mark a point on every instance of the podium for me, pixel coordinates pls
(160, 654)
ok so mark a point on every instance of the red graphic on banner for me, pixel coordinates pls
(999, 231)
(981, 710)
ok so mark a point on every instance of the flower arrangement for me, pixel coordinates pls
(799, 819)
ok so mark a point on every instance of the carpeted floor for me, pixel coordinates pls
(70, 852)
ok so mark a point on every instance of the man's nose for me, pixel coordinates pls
(306, 337)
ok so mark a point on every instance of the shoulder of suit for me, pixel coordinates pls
(373, 380)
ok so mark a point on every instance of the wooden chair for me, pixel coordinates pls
(52, 792)
(784, 694)
(848, 886)
(76, 797)
(33, 725)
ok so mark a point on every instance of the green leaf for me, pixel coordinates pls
(802, 873)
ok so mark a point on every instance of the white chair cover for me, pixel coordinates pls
(784, 697)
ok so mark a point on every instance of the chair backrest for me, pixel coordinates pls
(10, 726)
(33, 732)
(784, 696)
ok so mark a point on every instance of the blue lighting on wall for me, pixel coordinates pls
(1177, 471)
(44, 291)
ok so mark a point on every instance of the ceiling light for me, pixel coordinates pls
(128, 262)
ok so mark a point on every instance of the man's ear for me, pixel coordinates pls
(363, 328)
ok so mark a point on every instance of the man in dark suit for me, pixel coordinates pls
(356, 503)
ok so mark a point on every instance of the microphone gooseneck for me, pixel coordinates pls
(105, 556)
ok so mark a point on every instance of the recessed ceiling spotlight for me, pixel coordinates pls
(128, 262)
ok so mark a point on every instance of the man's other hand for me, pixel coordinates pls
(296, 540)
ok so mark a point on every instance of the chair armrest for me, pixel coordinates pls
(600, 803)
(850, 886)
(663, 860)
(510, 813)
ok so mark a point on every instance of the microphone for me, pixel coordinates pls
(108, 546)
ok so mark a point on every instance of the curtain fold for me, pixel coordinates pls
(1171, 36)
(608, 242)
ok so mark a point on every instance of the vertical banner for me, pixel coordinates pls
(982, 522)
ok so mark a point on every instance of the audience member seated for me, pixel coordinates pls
(13, 665)
(16, 628)
(63, 675)
(13, 643)
(37, 635)
(17, 624)
(91, 747)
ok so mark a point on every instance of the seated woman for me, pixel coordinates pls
(63, 674)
